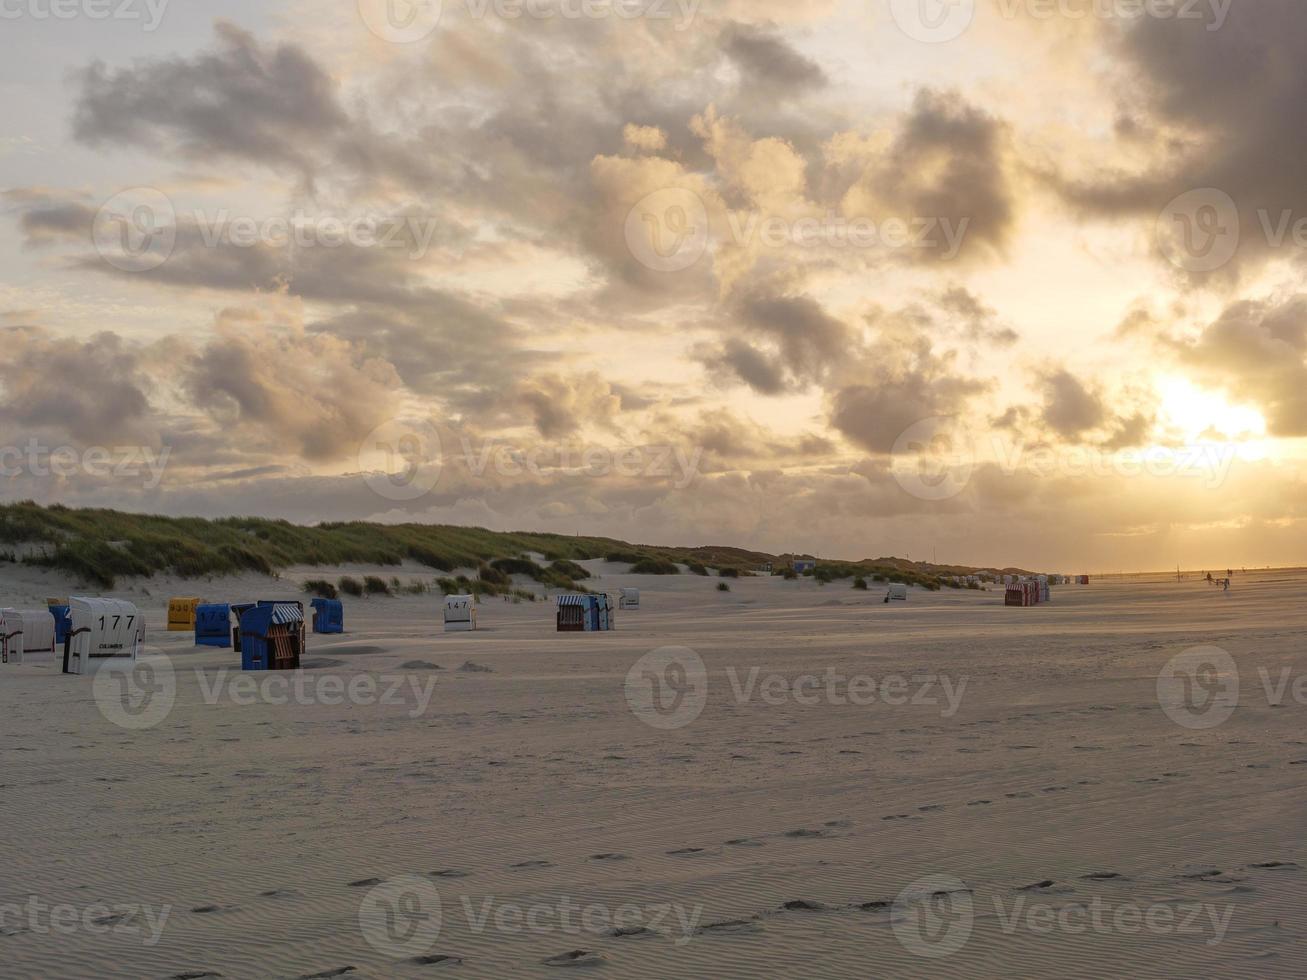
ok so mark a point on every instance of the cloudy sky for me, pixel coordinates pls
(1003, 282)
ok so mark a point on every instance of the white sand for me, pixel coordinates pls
(248, 822)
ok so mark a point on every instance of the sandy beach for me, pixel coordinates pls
(943, 787)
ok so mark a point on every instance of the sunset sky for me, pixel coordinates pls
(1004, 282)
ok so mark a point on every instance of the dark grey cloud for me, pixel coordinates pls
(1070, 408)
(559, 406)
(736, 360)
(285, 391)
(1219, 108)
(779, 342)
(949, 162)
(768, 61)
(904, 380)
(808, 339)
(52, 223)
(93, 390)
(1257, 351)
(272, 105)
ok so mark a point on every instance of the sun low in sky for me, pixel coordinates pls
(1003, 282)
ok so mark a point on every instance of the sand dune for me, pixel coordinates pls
(1037, 780)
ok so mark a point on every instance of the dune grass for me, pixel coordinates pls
(99, 546)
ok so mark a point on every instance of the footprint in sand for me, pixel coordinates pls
(687, 850)
(1214, 875)
(364, 883)
(744, 842)
(803, 905)
(451, 873)
(1046, 887)
(195, 975)
(932, 808)
(340, 971)
(630, 932)
(804, 833)
(281, 893)
(576, 957)
(1019, 796)
(838, 824)
(728, 926)
(1104, 876)
(116, 918)
(1275, 865)
(980, 803)
(436, 959)
(532, 864)
(209, 909)
(609, 857)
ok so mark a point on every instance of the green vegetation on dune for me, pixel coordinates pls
(98, 546)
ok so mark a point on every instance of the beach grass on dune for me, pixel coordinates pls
(98, 546)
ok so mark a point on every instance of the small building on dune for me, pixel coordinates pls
(181, 614)
(238, 609)
(24, 632)
(1023, 594)
(572, 613)
(213, 625)
(585, 614)
(803, 565)
(328, 615)
(629, 599)
(272, 636)
(63, 621)
(460, 613)
(897, 592)
(101, 631)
